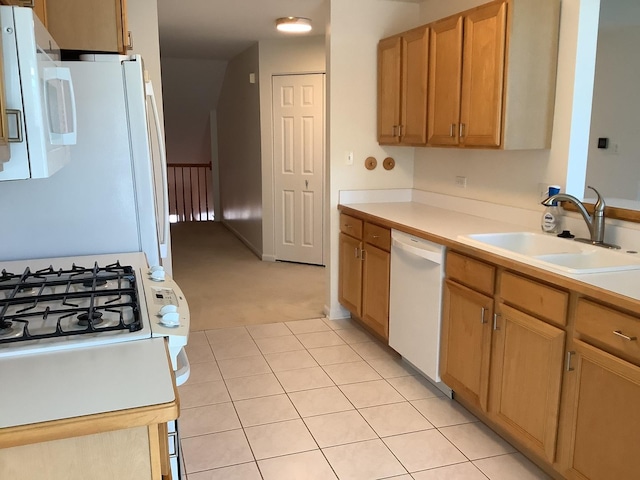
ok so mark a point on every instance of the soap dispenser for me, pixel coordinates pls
(552, 217)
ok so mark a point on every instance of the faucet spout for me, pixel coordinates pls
(595, 223)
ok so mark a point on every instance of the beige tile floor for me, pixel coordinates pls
(320, 399)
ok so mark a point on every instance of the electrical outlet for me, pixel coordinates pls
(461, 182)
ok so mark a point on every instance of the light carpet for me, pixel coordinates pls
(227, 285)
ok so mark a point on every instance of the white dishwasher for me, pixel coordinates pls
(417, 272)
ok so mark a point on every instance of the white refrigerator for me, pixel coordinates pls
(112, 196)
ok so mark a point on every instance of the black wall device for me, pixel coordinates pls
(603, 142)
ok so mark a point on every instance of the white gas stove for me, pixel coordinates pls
(69, 302)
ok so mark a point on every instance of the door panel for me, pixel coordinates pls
(483, 76)
(298, 159)
(445, 75)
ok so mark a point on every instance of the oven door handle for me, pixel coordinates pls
(183, 369)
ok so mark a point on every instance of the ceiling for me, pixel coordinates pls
(221, 29)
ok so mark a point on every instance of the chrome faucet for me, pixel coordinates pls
(595, 222)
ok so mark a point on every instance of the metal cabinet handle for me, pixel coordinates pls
(401, 130)
(346, 225)
(482, 320)
(452, 130)
(395, 127)
(357, 252)
(374, 236)
(461, 130)
(362, 254)
(129, 45)
(495, 321)
(568, 366)
(626, 337)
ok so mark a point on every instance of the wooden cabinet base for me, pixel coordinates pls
(122, 454)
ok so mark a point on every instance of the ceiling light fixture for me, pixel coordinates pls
(293, 24)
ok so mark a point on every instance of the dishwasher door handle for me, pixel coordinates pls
(431, 255)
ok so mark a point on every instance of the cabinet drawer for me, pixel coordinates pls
(607, 328)
(378, 236)
(470, 272)
(351, 225)
(540, 300)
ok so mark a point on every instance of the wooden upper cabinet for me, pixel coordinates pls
(445, 76)
(39, 7)
(389, 81)
(413, 98)
(491, 77)
(89, 25)
(483, 76)
(466, 78)
(402, 88)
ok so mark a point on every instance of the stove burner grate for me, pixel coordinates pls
(48, 297)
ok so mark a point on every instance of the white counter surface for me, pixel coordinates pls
(448, 225)
(84, 381)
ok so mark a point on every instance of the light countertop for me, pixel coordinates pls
(446, 226)
(85, 381)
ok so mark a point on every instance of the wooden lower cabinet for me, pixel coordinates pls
(364, 272)
(601, 423)
(350, 274)
(526, 378)
(375, 289)
(131, 454)
(465, 347)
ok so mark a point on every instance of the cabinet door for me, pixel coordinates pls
(445, 74)
(89, 25)
(375, 289)
(415, 66)
(483, 76)
(465, 349)
(350, 274)
(603, 428)
(389, 83)
(526, 377)
(5, 151)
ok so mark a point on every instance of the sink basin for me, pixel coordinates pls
(527, 243)
(593, 261)
(554, 253)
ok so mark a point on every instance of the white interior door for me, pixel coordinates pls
(298, 158)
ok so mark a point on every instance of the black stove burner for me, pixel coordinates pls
(66, 302)
(93, 318)
(99, 282)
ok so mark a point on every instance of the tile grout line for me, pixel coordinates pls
(366, 361)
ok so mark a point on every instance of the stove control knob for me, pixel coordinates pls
(167, 309)
(158, 276)
(171, 319)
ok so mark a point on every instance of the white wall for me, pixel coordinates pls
(356, 28)
(616, 107)
(239, 150)
(191, 91)
(280, 57)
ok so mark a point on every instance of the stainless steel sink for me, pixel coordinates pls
(552, 252)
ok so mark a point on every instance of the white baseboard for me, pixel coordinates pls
(268, 258)
(336, 313)
(249, 245)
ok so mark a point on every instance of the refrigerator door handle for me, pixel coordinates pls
(164, 230)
